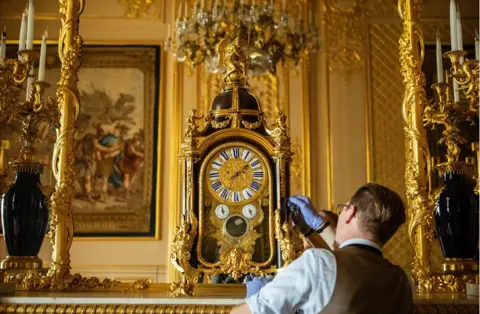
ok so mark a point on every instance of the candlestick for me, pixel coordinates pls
(453, 25)
(477, 45)
(459, 33)
(439, 59)
(29, 84)
(23, 31)
(310, 14)
(43, 56)
(31, 17)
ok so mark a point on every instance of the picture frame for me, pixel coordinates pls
(116, 140)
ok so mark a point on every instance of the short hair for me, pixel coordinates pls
(380, 210)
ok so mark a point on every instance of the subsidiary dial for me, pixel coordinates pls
(222, 211)
(249, 211)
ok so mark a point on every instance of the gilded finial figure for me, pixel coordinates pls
(235, 62)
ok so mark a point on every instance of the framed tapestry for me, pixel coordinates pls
(116, 140)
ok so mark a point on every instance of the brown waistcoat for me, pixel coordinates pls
(367, 283)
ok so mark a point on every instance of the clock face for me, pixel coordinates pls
(249, 211)
(236, 175)
(222, 211)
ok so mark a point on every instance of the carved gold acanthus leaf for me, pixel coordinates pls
(237, 263)
(72, 283)
(290, 244)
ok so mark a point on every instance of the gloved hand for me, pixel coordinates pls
(254, 284)
(309, 213)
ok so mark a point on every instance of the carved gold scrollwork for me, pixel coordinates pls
(290, 244)
(418, 157)
(181, 246)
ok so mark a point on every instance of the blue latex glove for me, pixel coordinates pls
(309, 213)
(256, 283)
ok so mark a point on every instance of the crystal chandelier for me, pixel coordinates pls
(271, 32)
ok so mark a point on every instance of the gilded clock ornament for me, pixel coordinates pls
(234, 165)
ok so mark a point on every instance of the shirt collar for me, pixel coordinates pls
(361, 241)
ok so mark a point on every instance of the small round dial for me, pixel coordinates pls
(249, 211)
(222, 211)
(236, 226)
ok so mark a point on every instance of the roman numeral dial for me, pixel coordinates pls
(236, 175)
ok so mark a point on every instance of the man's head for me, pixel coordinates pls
(374, 212)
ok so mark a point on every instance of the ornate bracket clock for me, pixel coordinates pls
(234, 176)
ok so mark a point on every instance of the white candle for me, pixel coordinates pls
(477, 45)
(3, 47)
(43, 56)
(453, 24)
(439, 59)
(23, 32)
(459, 33)
(31, 17)
(456, 92)
(186, 10)
(284, 5)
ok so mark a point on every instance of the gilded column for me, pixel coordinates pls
(417, 153)
(61, 220)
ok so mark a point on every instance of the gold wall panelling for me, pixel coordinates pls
(140, 8)
(345, 31)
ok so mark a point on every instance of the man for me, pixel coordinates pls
(352, 279)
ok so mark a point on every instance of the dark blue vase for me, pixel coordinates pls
(24, 212)
(456, 216)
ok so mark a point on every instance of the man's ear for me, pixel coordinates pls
(350, 213)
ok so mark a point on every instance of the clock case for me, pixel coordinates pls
(235, 118)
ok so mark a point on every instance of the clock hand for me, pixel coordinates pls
(238, 172)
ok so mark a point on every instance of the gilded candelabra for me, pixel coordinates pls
(454, 205)
(14, 74)
(449, 113)
(459, 266)
(275, 33)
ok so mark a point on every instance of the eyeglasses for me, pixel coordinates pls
(341, 207)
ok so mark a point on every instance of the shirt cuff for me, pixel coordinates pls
(252, 302)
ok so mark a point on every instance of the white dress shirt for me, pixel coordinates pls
(305, 286)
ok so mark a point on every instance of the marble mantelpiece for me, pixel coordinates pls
(210, 299)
